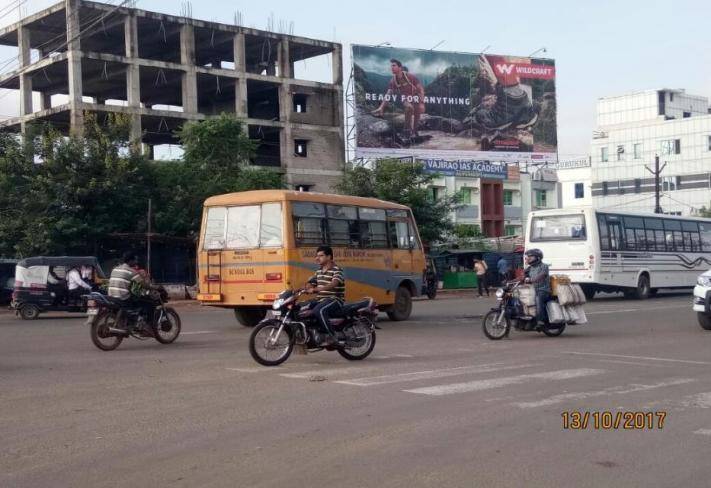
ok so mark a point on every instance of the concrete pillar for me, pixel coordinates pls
(337, 65)
(76, 125)
(133, 81)
(23, 44)
(286, 143)
(187, 58)
(283, 59)
(45, 101)
(239, 53)
(241, 82)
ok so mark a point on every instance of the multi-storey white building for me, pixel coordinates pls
(635, 128)
(575, 178)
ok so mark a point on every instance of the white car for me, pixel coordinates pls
(702, 300)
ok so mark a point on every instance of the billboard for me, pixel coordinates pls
(448, 105)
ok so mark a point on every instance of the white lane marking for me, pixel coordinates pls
(700, 400)
(635, 357)
(393, 356)
(248, 370)
(617, 390)
(195, 332)
(325, 372)
(500, 382)
(431, 374)
(703, 432)
(625, 310)
(616, 361)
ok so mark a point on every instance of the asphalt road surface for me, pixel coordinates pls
(436, 405)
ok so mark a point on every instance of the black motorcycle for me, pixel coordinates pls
(511, 312)
(293, 324)
(112, 320)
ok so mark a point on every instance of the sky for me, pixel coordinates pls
(601, 48)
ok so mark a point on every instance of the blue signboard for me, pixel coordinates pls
(476, 169)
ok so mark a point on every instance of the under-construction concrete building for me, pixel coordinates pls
(80, 57)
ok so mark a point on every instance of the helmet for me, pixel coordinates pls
(536, 253)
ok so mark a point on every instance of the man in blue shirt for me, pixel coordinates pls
(503, 268)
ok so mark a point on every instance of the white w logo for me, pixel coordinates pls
(505, 69)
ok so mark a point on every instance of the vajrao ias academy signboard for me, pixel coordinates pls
(447, 105)
(473, 169)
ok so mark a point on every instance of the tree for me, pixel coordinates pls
(405, 183)
(217, 154)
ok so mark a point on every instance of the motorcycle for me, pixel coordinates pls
(112, 320)
(292, 324)
(510, 312)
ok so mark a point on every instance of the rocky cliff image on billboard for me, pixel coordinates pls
(453, 105)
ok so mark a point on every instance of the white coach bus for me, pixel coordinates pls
(612, 251)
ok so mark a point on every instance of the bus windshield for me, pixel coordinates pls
(558, 228)
(243, 227)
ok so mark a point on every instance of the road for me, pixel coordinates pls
(436, 405)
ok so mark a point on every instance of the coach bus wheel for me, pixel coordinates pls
(643, 289)
(402, 308)
(704, 320)
(250, 316)
(589, 292)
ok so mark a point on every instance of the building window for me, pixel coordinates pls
(511, 230)
(670, 183)
(708, 143)
(300, 148)
(300, 103)
(637, 151)
(435, 193)
(620, 153)
(637, 185)
(508, 197)
(541, 198)
(671, 146)
(466, 195)
(579, 190)
(605, 188)
(604, 157)
(687, 115)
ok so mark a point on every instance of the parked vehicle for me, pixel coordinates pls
(254, 244)
(112, 320)
(429, 280)
(511, 312)
(615, 251)
(40, 285)
(293, 325)
(7, 280)
(702, 300)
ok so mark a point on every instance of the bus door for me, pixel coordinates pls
(616, 235)
(402, 250)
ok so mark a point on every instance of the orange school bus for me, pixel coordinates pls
(255, 244)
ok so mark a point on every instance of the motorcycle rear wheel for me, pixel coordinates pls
(100, 335)
(171, 323)
(361, 352)
(554, 332)
(491, 329)
(260, 348)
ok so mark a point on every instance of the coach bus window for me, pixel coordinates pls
(692, 241)
(343, 227)
(270, 234)
(634, 234)
(672, 231)
(705, 231)
(243, 227)
(558, 228)
(215, 228)
(397, 214)
(373, 227)
(655, 234)
(604, 233)
(308, 223)
(614, 227)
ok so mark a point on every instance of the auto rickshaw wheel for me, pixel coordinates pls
(29, 312)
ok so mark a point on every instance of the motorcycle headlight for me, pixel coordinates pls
(704, 280)
(500, 293)
(277, 303)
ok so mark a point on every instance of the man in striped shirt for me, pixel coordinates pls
(330, 287)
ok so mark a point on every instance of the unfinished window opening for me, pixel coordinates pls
(312, 63)
(300, 103)
(102, 80)
(216, 94)
(158, 40)
(106, 34)
(214, 48)
(321, 106)
(261, 55)
(301, 148)
(262, 100)
(268, 151)
(161, 89)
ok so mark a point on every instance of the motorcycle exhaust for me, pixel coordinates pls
(115, 331)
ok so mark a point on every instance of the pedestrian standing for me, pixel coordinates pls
(480, 267)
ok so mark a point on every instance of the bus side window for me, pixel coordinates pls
(705, 231)
(399, 237)
(414, 241)
(604, 233)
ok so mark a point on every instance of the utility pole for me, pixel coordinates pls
(657, 190)
(148, 236)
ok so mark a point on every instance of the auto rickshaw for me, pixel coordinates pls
(41, 285)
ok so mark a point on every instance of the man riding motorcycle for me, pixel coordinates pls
(330, 286)
(538, 275)
(129, 285)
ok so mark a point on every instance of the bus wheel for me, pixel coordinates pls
(250, 316)
(402, 308)
(643, 290)
(589, 292)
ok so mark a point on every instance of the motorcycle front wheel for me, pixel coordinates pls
(100, 334)
(168, 327)
(495, 326)
(268, 349)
